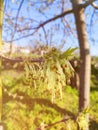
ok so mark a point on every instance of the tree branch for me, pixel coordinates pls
(44, 23)
(18, 13)
(42, 126)
(94, 5)
(84, 5)
(53, 19)
(20, 59)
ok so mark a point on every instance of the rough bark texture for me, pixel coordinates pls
(84, 88)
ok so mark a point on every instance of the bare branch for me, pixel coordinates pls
(63, 120)
(20, 59)
(35, 29)
(51, 37)
(17, 18)
(83, 5)
(55, 18)
(91, 21)
(44, 23)
(45, 34)
(94, 5)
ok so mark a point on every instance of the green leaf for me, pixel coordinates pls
(68, 53)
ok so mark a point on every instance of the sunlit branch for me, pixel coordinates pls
(44, 23)
(95, 5)
(50, 125)
(20, 59)
(53, 19)
(84, 5)
(50, 20)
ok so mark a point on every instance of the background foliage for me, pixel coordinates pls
(28, 107)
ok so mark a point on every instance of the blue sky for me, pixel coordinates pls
(59, 36)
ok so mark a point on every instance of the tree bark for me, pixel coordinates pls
(84, 87)
(1, 21)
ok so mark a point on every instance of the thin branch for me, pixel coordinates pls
(17, 18)
(50, 125)
(44, 23)
(45, 34)
(18, 13)
(55, 18)
(52, 19)
(91, 21)
(5, 5)
(15, 25)
(68, 25)
(63, 3)
(51, 37)
(22, 37)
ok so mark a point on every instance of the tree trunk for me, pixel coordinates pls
(84, 88)
(1, 21)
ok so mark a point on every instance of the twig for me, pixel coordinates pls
(18, 14)
(51, 19)
(45, 34)
(44, 23)
(50, 125)
(16, 24)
